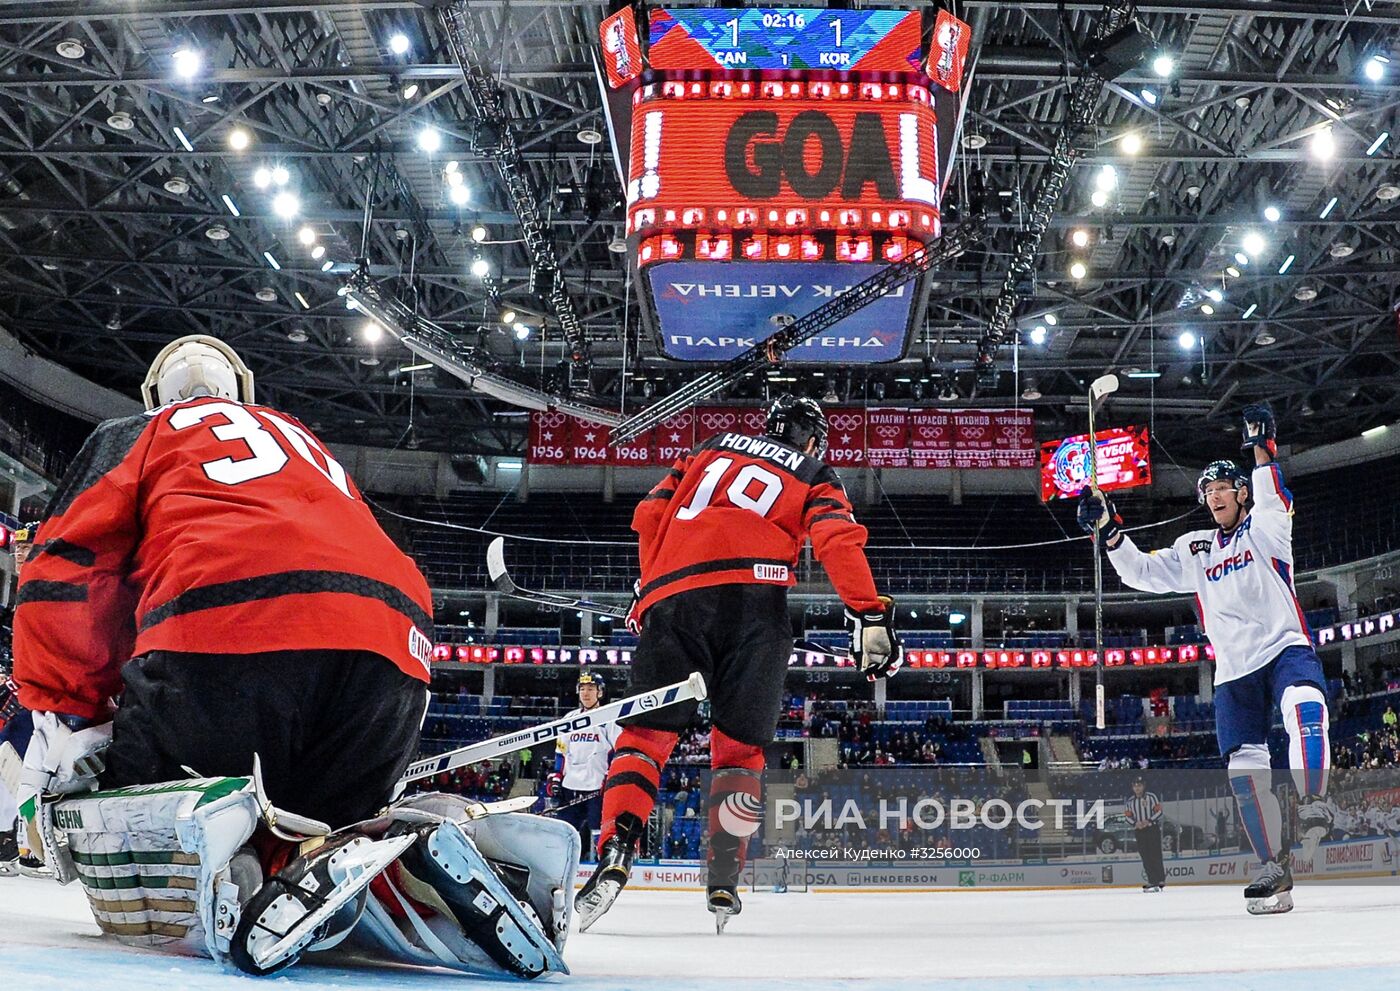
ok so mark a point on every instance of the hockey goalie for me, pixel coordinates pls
(212, 630)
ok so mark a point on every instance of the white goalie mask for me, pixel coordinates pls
(196, 365)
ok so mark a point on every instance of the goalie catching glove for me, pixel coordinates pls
(874, 644)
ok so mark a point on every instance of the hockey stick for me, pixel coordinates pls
(693, 688)
(500, 577)
(1099, 389)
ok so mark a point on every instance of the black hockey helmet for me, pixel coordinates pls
(796, 420)
(1220, 471)
(589, 678)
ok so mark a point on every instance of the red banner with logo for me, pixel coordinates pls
(845, 437)
(887, 438)
(882, 437)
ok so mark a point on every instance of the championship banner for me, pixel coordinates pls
(845, 437)
(548, 441)
(673, 439)
(887, 438)
(588, 442)
(930, 439)
(636, 453)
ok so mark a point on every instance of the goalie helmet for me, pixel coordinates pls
(1220, 471)
(796, 420)
(196, 365)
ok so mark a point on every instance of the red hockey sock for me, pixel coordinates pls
(634, 776)
(736, 804)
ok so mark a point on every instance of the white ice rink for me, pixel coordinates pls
(1197, 937)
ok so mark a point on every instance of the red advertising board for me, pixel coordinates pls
(1124, 462)
(622, 48)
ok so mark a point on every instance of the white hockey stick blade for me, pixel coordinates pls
(496, 566)
(11, 767)
(692, 689)
(1104, 385)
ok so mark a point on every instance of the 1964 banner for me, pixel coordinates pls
(882, 437)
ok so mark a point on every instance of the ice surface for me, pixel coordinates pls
(1187, 937)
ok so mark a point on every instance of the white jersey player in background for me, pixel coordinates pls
(581, 764)
(1241, 573)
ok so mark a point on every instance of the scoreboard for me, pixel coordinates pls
(785, 38)
(773, 158)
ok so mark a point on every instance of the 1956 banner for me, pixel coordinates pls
(882, 437)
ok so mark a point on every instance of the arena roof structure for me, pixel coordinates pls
(217, 167)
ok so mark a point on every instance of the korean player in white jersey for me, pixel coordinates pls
(1241, 573)
(581, 764)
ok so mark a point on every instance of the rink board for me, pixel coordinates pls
(1345, 860)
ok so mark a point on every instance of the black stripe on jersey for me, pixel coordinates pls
(66, 551)
(638, 754)
(51, 592)
(244, 590)
(708, 567)
(824, 503)
(105, 448)
(634, 778)
(663, 494)
(847, 517)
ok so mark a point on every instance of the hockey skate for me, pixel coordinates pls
(723, 902)
(1314, 824)
(1270, 893)
(613, 870)
(9, 855)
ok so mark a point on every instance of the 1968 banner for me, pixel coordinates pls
(882, 437)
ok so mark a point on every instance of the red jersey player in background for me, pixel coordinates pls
(213, 556)
(719, 538)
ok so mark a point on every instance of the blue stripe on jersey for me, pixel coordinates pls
(1279, 487)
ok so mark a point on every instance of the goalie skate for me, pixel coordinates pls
(1270, 893)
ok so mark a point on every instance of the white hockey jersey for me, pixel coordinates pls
(1243, 581)
(586, 754)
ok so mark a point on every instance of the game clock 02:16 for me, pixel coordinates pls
(784, 38)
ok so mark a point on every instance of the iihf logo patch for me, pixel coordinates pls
(740, 813)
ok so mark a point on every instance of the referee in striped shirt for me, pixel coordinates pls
(1144, 813)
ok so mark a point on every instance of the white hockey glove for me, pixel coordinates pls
(874, 644)
(65, 756)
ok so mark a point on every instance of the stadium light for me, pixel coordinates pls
(187, 62)
(1253, 243)
(1324, 144)
(398, 44)
(239, 139)
(1163, 65)
(1187, 340)
(430, 139)
(1272, 214)
(1038, 335)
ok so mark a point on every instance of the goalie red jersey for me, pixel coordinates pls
(737, 510)
(213, 527)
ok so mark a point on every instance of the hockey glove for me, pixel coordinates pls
(875, 646)
(552, 784)
(1259, 429)
(1096, 513)
(634, 616)
(64, 757)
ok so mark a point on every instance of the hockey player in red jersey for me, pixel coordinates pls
(719, 538)
(216, 558)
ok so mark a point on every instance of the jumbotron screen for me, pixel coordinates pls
(1124, 462)
(785, 38)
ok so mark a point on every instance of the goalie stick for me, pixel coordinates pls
(498, 746)
(500, 577)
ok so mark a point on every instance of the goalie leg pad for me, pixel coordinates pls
(154, 859)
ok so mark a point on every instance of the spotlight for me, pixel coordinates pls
(1163, 65)
(1187, 340)
(239, 139)
(1271, 214)
(480, 268)
(318, 252)
(1375, 68)
(479, 233)
(507, 316)
(1131, 143)
(1080, 238)
(1252, 243)
(1038, 335)
(430, 140)
(372, 332)
(1149, 97)
(187, 62)
(398, 44)
(409, 91)
(280, 176)
(1106, 179)
(1215, 295)
(522, 332)
(1077, 270)
(1099, 198)
(1241, 258)
(262, 178)
(1324, 144)
(459, 195)
(1207, 309)
(306, 236)
(1051, 319)
(286, 205)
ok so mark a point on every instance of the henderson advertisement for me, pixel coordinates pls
(881, 437)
